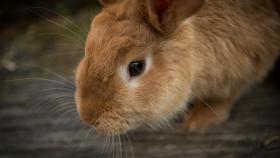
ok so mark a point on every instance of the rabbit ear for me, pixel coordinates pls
(166, 15)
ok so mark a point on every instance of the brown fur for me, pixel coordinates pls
(210, 56)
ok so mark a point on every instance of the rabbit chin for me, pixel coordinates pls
(109, 124)
(114, 126)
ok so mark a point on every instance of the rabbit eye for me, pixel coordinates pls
(135, 68)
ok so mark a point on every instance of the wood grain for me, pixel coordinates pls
(253, 131)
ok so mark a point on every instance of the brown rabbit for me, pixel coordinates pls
(145, 59)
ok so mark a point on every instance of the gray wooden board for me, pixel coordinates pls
(253, 131)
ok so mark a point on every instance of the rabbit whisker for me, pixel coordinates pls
(71, 45)
(104, 147)
(75, 34)
(211, 108)
(79, 45)
(63, 17)
(130, 145)
(41, 79)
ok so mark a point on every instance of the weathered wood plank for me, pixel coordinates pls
(252, 131)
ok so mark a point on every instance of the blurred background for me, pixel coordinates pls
(41, 43)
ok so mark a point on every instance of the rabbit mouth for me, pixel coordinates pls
(112, 126)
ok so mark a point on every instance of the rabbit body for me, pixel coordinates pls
(235, 45)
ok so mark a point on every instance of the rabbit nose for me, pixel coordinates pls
(96, 123)
(89, 117)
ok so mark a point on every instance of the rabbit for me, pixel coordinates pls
(146, 59)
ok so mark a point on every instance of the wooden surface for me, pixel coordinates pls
(253, 131)
(31, 129)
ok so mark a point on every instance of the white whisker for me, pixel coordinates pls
(59, 25)
(63, 17)
(80, 44)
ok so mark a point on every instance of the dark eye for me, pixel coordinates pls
(135, 68)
